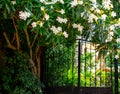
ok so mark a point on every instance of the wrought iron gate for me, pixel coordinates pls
(84, 73)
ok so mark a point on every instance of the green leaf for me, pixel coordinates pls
(48, 36)
(22, 25)
(1, 5)
(29, 21)
(8, 8)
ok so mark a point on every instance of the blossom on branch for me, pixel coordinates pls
(116, 56)
(62, 11)
(24, 15)
(113, 14)
(65, 34)
(62, 20)
(42, 8)
(104, 16)
(13, 2)
(56, 30)
(92, 17)
(78, 26)
(46, 16)
(76, 2)
(107, 4)
(34, 24)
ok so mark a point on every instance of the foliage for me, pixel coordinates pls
(58, 61)
(17, 78)
(65, 18)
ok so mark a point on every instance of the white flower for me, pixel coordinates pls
(59, 28)
(62, 11)
(80, 2)
(92, 17)
(97, 10)
(62, 20)
(110, 36)
(42, 8)
(51, 7)
(42, 1)
(104, 16)
(52, 1)
(112, 27)
(82, 14)
(107, 4)
(118, 23)
(46, 16)
(24, 15)
(53, 28)
(61, 1)
(40, 24)
(113, 14)
(49, 3)
(116, 56)
(34, 24)
(56, 30)
(13, 2)
(80, 28)
(118, 40)
(95, 6)
(65, 20)
(65, 34)
(74, 3)
(111, 33)
(75, 25)
(93, 1)
(92, 8)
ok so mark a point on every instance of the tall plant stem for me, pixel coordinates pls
(17, 35)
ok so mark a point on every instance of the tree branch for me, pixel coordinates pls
(17, 36)
(34, 70)
(27, 37)
(9, 44)
(28, 42)
(13, 38)
(38, 61)
(34, 40)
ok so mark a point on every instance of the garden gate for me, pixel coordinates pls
(81, 72)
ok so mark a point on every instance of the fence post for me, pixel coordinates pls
(116, 75)
(79, 62)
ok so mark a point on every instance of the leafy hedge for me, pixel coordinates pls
(17, 78)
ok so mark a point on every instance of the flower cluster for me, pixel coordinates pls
(78, 26)
(13, 2)
(107, 4)
(76, 2)
(116, 56)
(62, 11)
(56, 30)
(24, 15)
(92, 17)
(65, 34)
(61, 16)
(61, 20)
(38, 23)
(52, 2)
(46, 16)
